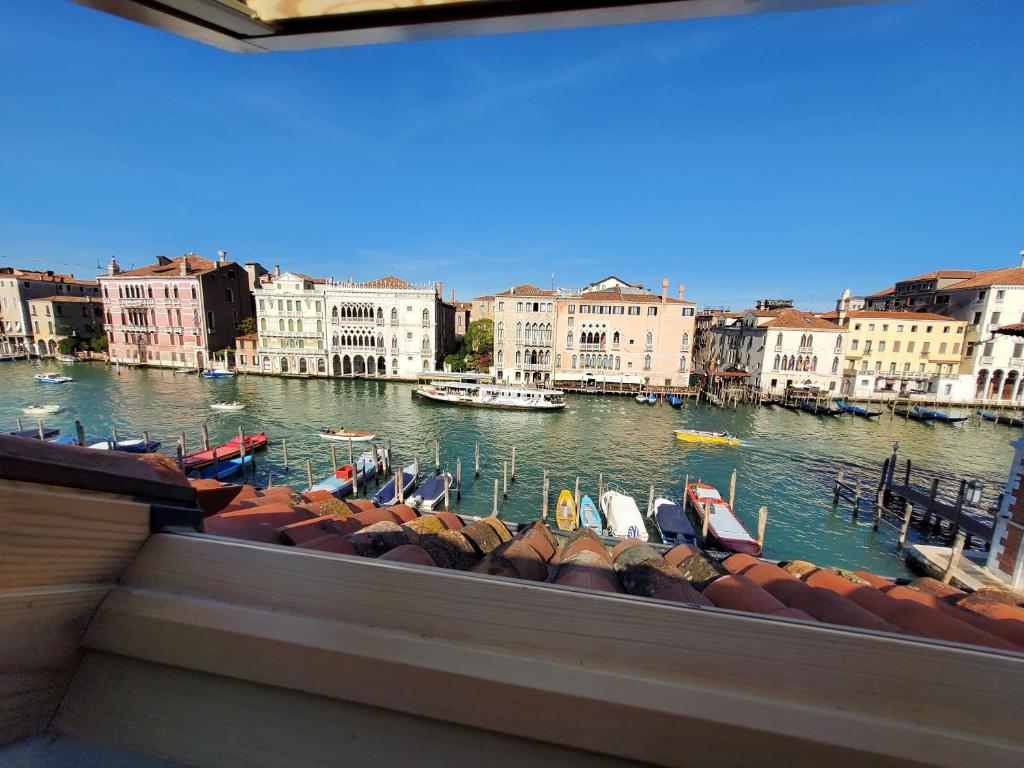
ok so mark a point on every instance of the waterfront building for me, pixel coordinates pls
(704, 322)
(64, 316)
(621, 332)
(247, 358)
(463, 311)
(524, 333)
(993, 364)
(901, 354)
(775, 349)
(291, 323)
(483, 308)
(176, 312)
(17, 288)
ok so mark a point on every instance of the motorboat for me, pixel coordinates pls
(431, 492)
(223, 406)
(709, 438)
(491, 396)
(222, 470)
(641, 398)
(565, 511)
(223, 452)
(723, 524)
(217, 373)
(672, 523)
(387, 497)
(52, 377)
(41, 410)
(856, 410)
(623, 516)
(589, 517)
(67, 359)
(127, 446)
(346, 435)
(341, 483)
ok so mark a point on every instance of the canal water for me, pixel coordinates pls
(787, 463)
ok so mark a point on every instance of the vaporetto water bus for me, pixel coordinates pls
(491, 395)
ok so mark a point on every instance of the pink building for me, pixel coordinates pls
(177, 312)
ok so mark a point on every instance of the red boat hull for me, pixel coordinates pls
(228, 450)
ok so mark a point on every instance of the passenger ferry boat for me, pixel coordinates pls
(491, 395)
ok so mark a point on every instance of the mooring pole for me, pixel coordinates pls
(206, 438)
(732, 489)
(762, 523)
(513, 464)
(309, 474)
(284, 447)
(504, 479)
(476, 459)
(447, 506)
(437, 455)
(458, 478)
(334, 458)
(544, 499)
(494, 508)
(954, 558)
(907, 512)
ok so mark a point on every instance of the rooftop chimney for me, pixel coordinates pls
(453, 295)
(682, 290)
(222, 256)
(439, 287)
(113, 268)
(184, 265)
(277, 271)
(1022, 259)
(664, 290)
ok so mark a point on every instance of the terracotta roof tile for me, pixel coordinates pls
(525, 290)
(277, 515)
(377, 538)
(617, 294)
(409, 553)
(331, 542)
(304, 530)
(516, 559)
(642, 571)
(388, 282)
(195, 266)
(741, 594)
(879, 314)
(794, 318)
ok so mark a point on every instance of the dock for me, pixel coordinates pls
(968, 573)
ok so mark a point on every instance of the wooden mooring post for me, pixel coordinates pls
(959, 508)
(544, 497)
(458, 478)
(494, 507)
(309, 474)
(400, 486)
(732, 489)
(762, 523)
(929, 510)
(504, 479)
(80, 433)
(447, 492)
(856, 498)
(576, 493)
(513, 475)
(437, 455)
(334, 458)
(908, 511)
(954, 558)
(476, 458)
(206, 438)
(20, 425)
(181, 437)
(600, 486)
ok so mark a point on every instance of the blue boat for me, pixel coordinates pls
(652, 398)
(47, 433)
(675, 401)
(217, 373)
(589, 517)
(673, 524)
(340, 483)
(914, 414)
(431, 492)
(818, 409)
(856, 410)
(1001, 418)
(939, 415)
(223, 469)
(387, 497)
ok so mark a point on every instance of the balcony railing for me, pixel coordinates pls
(536, 366)
(805, 349)
(985, 360)
(591, 348)
(1017, 361)
(354, 320)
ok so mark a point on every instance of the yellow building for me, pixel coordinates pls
(53, 318)
(901, 354)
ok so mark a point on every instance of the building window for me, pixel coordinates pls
(651, 311)
(647, 362)
(501, 331)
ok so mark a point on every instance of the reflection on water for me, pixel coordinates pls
(788, 461)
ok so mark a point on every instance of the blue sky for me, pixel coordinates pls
(789, 154)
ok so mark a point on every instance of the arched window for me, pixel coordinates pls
(394, 343)
(302, 365)
(558, 361)
(280, 325)
(291, 325)
(835, 365)
(778, 341)
(574, 361)
(319, 326)
(547, 334)
(839, 342)
(519, 358)
(176, 292)
(321, 366)
(649, 339)
(684, 344)
(776, 363)
(334, 313)
(501, 357)
(814, 363)
(193, 293)
(426, 344)
(519, 332)
(568, 340)
(394, 316)
(618, 362)
(501, 331)
(167, 292)
(298, 325)
(647, 362)
(263, 323)
(426, 316)
(810, 339)
(380, 316)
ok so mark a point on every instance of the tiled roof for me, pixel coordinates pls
(794, 318)
(884, 315)
(196, 265)
(618, 294)
(247, 337)
(386, 282)
(941, 274)
(1013, 329)
(885, 292)
(796, 590)
(67, 298)
(32, 274)
(1008, 276)
(306, 278)
(484, 298)
(525, 290)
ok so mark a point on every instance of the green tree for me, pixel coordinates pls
(67, 345)
(456, 360)
(480, 337)
(246, 326)
(98, 343)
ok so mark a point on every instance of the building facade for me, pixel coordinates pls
(17, 288)
(524, 334)
(779, 349)
(176, 313)
(482, 309)
(291, 324)
(54, 318)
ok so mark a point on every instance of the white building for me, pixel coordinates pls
(290, 322)
(780, 348)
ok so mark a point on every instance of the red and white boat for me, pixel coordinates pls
(723, 524)
(228, 450)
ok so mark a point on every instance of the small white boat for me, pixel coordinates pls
(223, 406)
(52, 377)
(217, 373)
(623, 516)
(41, 410)
(641, 398)
(67, 359)
(347, 435)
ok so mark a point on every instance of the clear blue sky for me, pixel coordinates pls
(779, 155)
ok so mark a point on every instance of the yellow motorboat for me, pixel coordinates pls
(565, 511)
(709, 438)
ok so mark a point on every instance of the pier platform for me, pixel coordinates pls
(969, 574)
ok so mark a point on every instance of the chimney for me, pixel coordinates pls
(277, 271)
(453, 295)
(184, 265)
(113, 268)
(439, 287)
(222, 256)
(1022, 259)
(664, 290)
(682, 290)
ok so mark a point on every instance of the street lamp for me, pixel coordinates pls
(973, 493)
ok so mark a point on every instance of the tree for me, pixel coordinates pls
(67, 345)
(246, 326)
(480, 336)
(456, 361)
(98, 343)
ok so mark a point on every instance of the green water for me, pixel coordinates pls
(788, 462)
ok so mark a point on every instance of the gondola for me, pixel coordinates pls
(857, 410)
(940, 416)
(1001, 418)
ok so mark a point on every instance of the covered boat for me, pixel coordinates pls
(710, 438)
(652, 398)
(672, 522)
(340, 483)
(914, 414)
(856, 410)
(35, 409)
(940, 416)
(347, 435)
(818, 409)
(47, 434)
(589, 517)
(430, 493)
(641, 398)
(387, 495)
(227, 450)
(1001, 418)
(624, 519)
(675, 401)
(723, 524)
(565, 511)
(222, 470)
(138, 445)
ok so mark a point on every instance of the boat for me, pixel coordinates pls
(223, 470)
(63, 440)
(128, 446)
(623, 517)
(589, 516)
(52, 377)
(386, 496)
(914, 414)
(67, 359)
(723, 524)
(340, 483)
(184, 370)
(41, 410)
(672, 523)
(431, 492)
(675, 401)
(652, 398)
(818, 409)
(223, 406)
(228, 450)
(856, 410)
(565, 511)
(217, 373)
(1001, 418)
(710, 438)
(641, 398)
(47, 433)
(491, 396)
(941, 416)
(348, 435)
